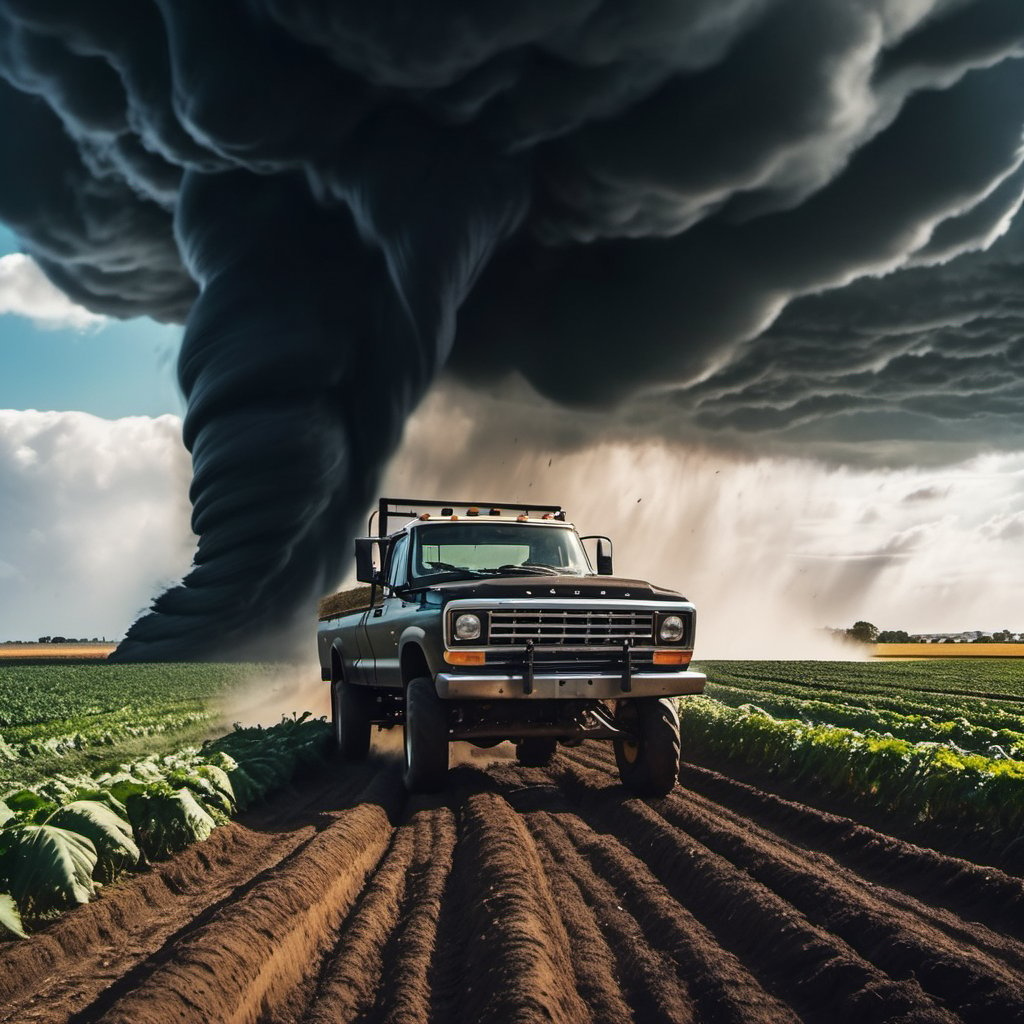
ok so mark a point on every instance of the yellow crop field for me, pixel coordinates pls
(949, 650)
(57, 652)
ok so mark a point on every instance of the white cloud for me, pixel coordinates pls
(94, 520)
(26, 291)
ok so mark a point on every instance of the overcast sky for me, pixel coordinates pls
(737, 282)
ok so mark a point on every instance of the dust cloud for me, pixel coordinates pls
(293, 689)
(773, 550)
(271, 694)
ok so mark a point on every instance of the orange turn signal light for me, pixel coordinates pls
(465, 657)
(672, 657)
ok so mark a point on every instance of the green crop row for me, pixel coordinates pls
(109, 730)
(84, 717)
(48, 695)
(999, 682)
(62, 838)
(927, 782)
(918, 728)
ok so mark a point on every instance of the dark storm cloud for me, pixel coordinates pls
(930, 353)
(603, 197)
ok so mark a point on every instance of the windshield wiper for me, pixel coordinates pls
(526, 569)
(447, 569)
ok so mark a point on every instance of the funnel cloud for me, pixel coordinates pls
(781, 222)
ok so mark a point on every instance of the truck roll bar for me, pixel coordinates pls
(412, 507)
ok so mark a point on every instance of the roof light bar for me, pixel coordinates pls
(412, 508)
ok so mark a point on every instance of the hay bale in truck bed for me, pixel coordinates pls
(344, 602)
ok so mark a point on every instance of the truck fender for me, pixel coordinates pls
(416, 655)
(336, 658)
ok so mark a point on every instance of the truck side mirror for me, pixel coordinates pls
(604, 553)
(365, 571)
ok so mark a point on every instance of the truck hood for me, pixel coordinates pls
(612, 588)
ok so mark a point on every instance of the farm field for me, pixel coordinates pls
(936, 745)
(66, 717)
(51, 652)
(949, 650)
(534, 895)
(553, 895)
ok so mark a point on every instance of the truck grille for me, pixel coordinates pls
(576, 627)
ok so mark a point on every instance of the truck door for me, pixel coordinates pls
(358, 656)
(385, 621)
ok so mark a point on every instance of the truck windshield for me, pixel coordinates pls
(474, 550)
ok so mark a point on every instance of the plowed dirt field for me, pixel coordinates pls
(535, 895)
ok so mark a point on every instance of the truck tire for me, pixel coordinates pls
(650, 766)
(536, 751)
(426, 738)
(350, 715)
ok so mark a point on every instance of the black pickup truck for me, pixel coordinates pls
(488, 623)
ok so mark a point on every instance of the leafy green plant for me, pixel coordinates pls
(48, 868)
(165, 820)
(61, 834)
(110, 834)
(928, 781)
(10, 919)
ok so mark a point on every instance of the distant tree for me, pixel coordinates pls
(44, 639)
(982, 640)
(894, 636)
(863, 632)
(58, 640)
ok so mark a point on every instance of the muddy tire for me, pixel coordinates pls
(536, 751)
(426, 738)
(650, 766)
(350, 715)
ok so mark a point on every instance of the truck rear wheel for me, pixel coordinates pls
(426, 738)
(536, 751)
(350, 715)
(648, 765)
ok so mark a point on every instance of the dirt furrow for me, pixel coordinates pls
(639, 914)
(533, 895)
(598, 970)
(720, 986)
(976, 891)
(247, 960)
(66, 968)
(503, 951)
(801, 962)
(406, 990)
(901, 936)
(350, 979)
(953, 893)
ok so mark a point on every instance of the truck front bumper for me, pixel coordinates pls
(459, 686)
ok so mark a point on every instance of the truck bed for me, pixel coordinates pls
(344, 602)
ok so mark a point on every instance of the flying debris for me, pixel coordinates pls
(338, 200)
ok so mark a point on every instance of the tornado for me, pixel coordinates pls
(606, 199)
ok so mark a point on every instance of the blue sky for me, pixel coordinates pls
(111, 369)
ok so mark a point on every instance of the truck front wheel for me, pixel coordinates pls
(648, 763)
(350, 715)
(426, 738)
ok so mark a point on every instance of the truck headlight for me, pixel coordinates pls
(467, 626)
(671, 630)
